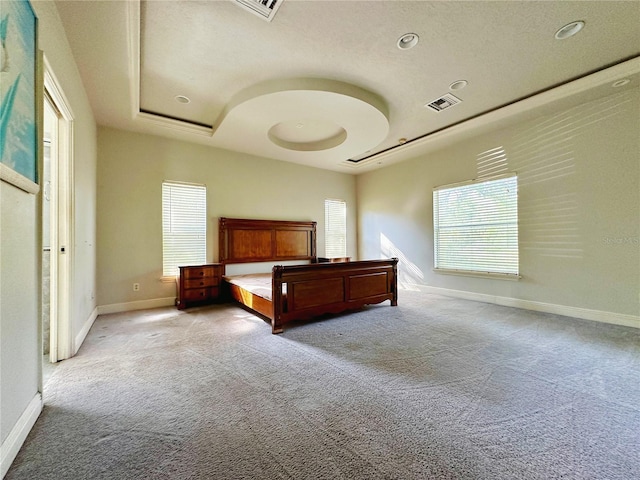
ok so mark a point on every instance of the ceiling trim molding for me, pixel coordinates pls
(133, 41)
(174, 124)
(430, 141)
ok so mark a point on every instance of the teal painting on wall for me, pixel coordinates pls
(18, 119)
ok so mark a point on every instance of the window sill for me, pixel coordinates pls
(469, 273)
(169, 279)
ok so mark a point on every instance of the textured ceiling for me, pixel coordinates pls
(319, 67)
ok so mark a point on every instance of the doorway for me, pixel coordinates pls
(57, 249)
(49, 135)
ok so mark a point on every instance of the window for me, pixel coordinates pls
(184, 226)
(335, 228)
(476, 227)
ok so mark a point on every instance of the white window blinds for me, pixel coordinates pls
(184, 226)
(335, 224)
(476, 226)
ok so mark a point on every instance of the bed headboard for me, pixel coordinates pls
(247, 241)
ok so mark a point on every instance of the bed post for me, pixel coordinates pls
(394, 285)
(276, 300)
(314, 255)
(222, 243)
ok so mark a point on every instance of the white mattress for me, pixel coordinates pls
(256, 283)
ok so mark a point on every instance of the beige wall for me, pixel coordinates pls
(19, 295)
(131, 168)
(20, 242)
(579, 207)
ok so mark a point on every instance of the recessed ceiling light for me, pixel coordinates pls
(182, 99)
(407, 41)
(569, 30)
(620, 83)
(458, 85)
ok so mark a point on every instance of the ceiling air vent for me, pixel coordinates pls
(445, 101)
(265, 9)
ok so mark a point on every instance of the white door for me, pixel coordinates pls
(57, 219)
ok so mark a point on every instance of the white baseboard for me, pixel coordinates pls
(82, 334)
(11, 446)
(576, 312)
(137, 305)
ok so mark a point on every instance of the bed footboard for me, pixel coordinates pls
(318, 289)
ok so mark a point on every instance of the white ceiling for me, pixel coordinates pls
(324, 83)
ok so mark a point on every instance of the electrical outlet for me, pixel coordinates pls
(136, 287)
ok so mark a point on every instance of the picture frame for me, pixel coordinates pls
(19, 140)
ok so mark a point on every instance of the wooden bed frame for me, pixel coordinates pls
(312, 289)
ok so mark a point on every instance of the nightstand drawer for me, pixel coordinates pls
(199, 272)
(202, 282)
(198, 294)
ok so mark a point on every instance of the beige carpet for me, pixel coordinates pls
(434, 388)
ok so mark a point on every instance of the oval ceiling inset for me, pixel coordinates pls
(307, 135)
(305, 118)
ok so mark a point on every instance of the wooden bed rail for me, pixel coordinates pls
(318, 289)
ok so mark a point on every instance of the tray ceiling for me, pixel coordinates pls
(324, 83)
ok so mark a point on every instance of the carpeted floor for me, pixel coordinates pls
(436, 388)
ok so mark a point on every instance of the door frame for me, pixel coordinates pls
(62, 221)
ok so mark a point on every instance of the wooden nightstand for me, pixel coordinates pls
(199, 284)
